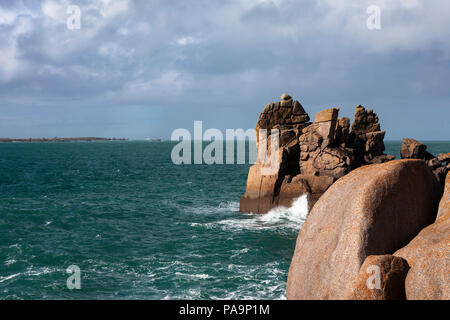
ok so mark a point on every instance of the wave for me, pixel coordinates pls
(296, 214)
(29, 273)
(2, 279)
(222, 208)
(279, 217)
(255, 282)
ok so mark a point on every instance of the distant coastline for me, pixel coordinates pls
(56, 139)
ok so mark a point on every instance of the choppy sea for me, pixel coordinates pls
(137, 225)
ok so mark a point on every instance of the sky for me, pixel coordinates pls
(141, 69)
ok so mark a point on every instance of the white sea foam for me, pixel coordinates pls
(30, 272)
(10, 262)
(296, 214)
(280, 217)
(3, 279)
(223, 207)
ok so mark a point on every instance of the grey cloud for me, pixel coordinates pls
(202, 58)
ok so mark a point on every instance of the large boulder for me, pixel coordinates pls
(412, 149)
(287, 113)
(428, 254)
(374, 210)
(444, 157)
(380, 278)
(444, 205)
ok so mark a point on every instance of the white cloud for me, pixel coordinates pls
(7, 16)
(11, 63)
(184, 41)
(55, 10)
(166, 87)
(112, 8)
(405, 24)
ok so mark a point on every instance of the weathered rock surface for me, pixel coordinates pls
(444, 205)
(428, 254)
(444, 157)
(374, 210)
(412, 149)
(367, 137)
(265, 178)
(286, 114)
(318, 153)
(380, 278)
(313, 186)
(365, 121)
(319, 156)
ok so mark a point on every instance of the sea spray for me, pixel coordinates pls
(291, 218)
(295, 215)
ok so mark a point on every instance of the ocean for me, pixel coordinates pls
(137, 225)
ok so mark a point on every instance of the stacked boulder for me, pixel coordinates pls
(367, 138)
(312, 156)
(321, 153)
(412, 149)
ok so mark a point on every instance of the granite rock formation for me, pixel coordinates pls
(380, 278)
(288, 118)
(412, 149)
(374, 210)
(428, 255)
(311, 156)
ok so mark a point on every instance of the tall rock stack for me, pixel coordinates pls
(289, 118)
(312, 156)
(368, 138)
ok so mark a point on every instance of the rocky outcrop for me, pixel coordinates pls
(428, 255)
(293, 187)
(367, 138)
(318, 154)
(265, 180)
(380, 278)
(311, 156)
(444, 157)
(284, 115)
(374, 210)
(412, 149)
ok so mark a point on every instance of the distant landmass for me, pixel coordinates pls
(56, 139)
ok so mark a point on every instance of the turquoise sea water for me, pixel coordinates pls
(138, 226)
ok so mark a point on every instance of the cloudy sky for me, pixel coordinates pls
(143, 68)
